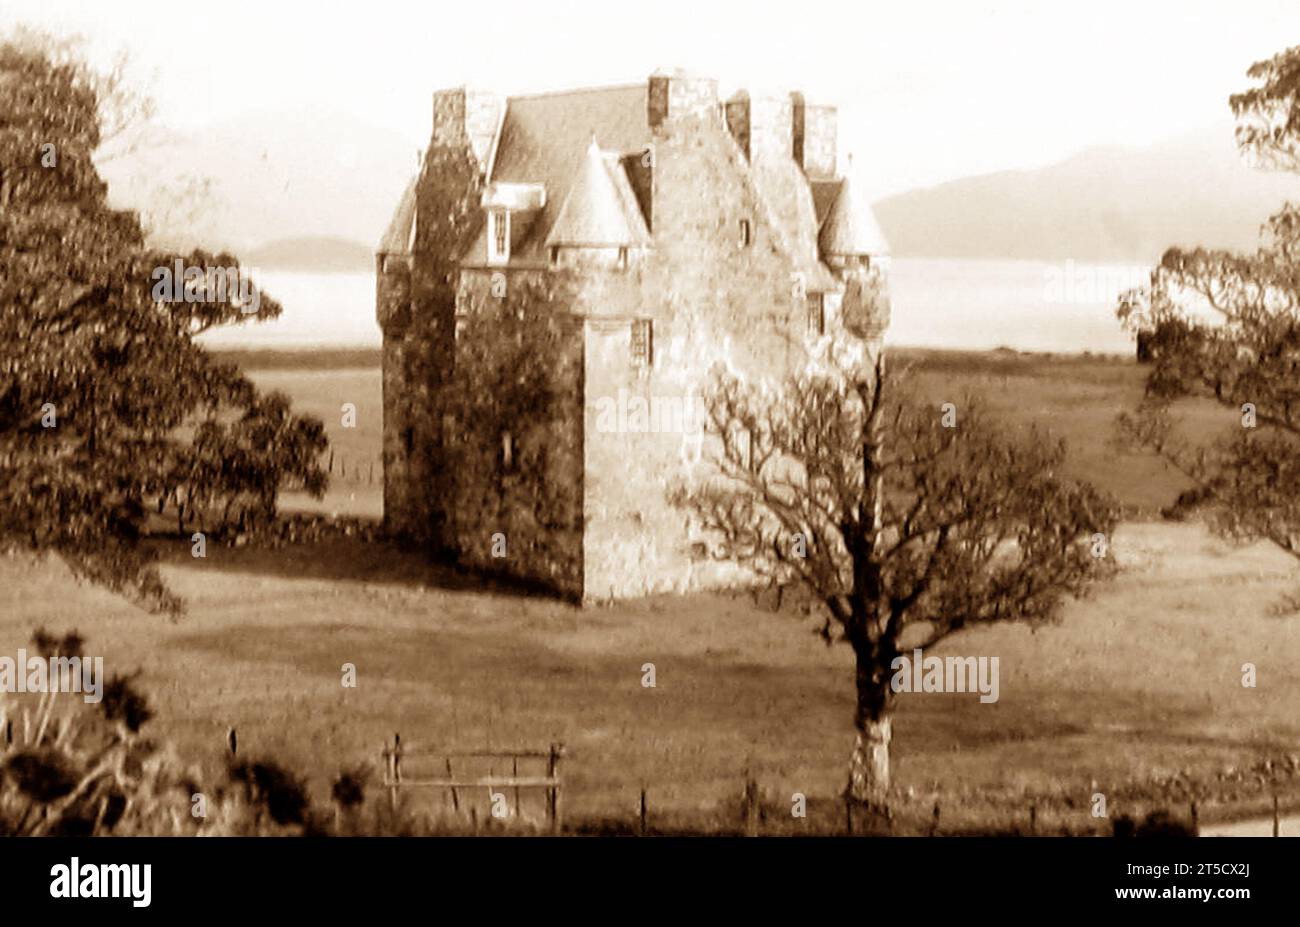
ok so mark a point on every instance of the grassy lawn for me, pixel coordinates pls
(1140, 683)
(1137, 685)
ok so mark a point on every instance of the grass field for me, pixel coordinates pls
(1138, 685)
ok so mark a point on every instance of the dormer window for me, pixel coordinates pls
(498, 236)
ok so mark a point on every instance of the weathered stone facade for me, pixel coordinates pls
(668, 232)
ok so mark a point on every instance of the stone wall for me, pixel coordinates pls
(519, 385)
(712, 300)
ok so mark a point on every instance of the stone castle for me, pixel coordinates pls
(693, 231)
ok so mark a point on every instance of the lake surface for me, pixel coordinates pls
(1063, 307)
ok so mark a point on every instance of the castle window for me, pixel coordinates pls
(555, 256)
(622, 259)
(746, 233)
(816, 315)
(498, 236)
(643, 343)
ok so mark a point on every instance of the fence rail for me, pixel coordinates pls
(395, 780)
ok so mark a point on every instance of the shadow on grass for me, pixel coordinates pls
(354, 560)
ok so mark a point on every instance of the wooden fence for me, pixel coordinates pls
(363, 471)
(398, 774)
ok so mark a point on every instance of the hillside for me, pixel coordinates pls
(1103, 204)
(272, 177)
(318, 254)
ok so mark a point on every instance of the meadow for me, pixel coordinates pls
(1136, 694)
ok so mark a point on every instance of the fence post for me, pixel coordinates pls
(455, 794)
(1276, 819)
(643, 812)
(934, 824)
(553, 773)
(751, 806)
(848, 813)
(394, 771)
(1033, 820)
(1196, 820)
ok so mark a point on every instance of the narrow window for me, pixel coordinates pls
(816, 315)
(643, 343)
(498, 236)
(622, 258)
(507, 451)
(555, 256)
(745, 233)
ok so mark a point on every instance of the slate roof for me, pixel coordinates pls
(547, 139)
(851, 227)
(543, 140)
(397, 239)
(600, 209)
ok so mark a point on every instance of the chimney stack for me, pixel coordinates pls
(463, 116)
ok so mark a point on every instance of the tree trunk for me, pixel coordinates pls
(873, 721)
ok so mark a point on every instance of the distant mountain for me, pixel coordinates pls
(317, 254)
(1103, 204)
(271, 177)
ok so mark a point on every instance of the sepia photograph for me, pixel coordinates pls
(448, 432)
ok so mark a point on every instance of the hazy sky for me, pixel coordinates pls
(928, 91)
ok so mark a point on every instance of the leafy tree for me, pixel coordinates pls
(108, 407)
(904, 531)
(1225, 326)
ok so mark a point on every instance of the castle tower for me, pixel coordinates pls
(416, 304)
(854, 247)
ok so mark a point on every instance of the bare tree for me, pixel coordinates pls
(902, 520)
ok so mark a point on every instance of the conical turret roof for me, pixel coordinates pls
(594, 214)
(851, 227)
(397, 239)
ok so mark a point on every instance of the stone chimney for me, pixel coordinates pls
(461, 115)
(767, 128)
(674, 95)
(814, 129)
